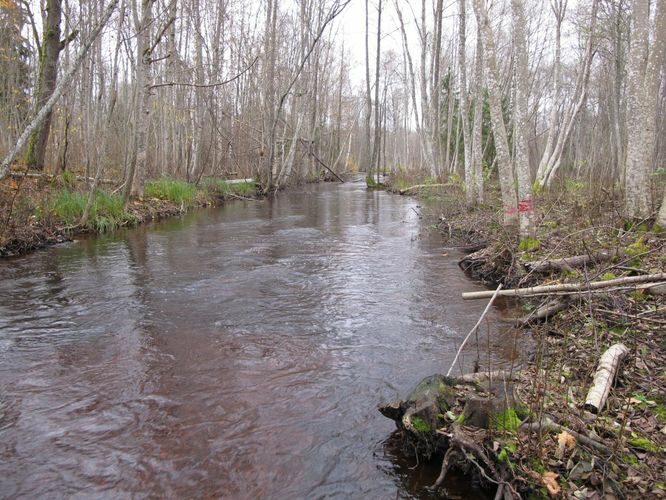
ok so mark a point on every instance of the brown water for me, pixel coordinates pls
(238, 352)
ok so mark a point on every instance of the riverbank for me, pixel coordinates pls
(38, 211)
(560, 447)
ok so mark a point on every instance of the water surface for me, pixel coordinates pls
(237, 352)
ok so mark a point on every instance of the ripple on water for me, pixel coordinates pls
(235, 353)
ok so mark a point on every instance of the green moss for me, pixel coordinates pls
(635, 227)
(461, 419)
(660, 412)
(550, 224)
(537, 465)
(507, 420)
(529, 245)
(419, 424)
(370, 181)
(638, 247)
(608, 276)
(642, 443)
(657, 229)
(630, 459)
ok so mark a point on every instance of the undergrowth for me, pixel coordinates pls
(106, 214)
(220, 187)
(172, 190)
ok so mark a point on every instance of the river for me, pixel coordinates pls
(237, 352)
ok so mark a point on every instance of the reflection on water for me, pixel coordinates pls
(237, 352)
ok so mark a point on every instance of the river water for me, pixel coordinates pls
(237, 352)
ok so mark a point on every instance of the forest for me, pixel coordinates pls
(532, 131)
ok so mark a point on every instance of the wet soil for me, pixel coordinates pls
(559, 367)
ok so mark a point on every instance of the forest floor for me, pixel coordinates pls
(36, 212)
(558, 367)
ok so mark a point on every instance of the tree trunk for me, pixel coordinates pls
(46, 82)
(477, 128)
(643, 92)
(137, 171)
(59, 90)
(507, 186)
(522, 149)
(470, 182)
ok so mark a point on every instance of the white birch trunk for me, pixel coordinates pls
(506, 177)
(637, 202)
(522, 150)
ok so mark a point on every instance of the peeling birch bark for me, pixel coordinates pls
(603, 379)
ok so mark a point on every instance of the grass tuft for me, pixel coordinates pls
(107, 212)
(171, 190)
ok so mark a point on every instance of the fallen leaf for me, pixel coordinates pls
(549, 480)
(564, 441)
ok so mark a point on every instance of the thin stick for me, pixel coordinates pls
(499, 287)
(569, 287)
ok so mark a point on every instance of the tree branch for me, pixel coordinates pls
(207, 85)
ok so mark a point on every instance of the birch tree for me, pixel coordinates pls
(59, 90)
(645, 62)
(136, 174)
(561, 126)
(520, 138)
(470, 180)
(506, 178)
(49, 53)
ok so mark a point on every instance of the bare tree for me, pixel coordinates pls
(642, 94)
(57, 92)
(560, 127)
(507, 185)
(520, 138)
(470, 181)
(50, 48)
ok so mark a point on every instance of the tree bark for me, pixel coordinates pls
(470, 181)
(477, 128)
(605, 376)
(507, 185)
(643, 92)
(137, 172)
(521, 145)
(57, 93)
(46, 82)
(569, 287)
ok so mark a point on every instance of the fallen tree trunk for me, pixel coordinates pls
(549, 426)
(567, 287)
(422, 186)
(603, 379)
(569, 263)
(545, 311)
(50, 177)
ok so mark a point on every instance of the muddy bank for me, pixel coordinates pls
(560, 445)
(29, 219)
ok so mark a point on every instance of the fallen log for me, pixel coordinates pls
(568, 263)
(603, 379)
(545, 311)
(422, 186)
(567, 287)
(52, 177)
(549, 426)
